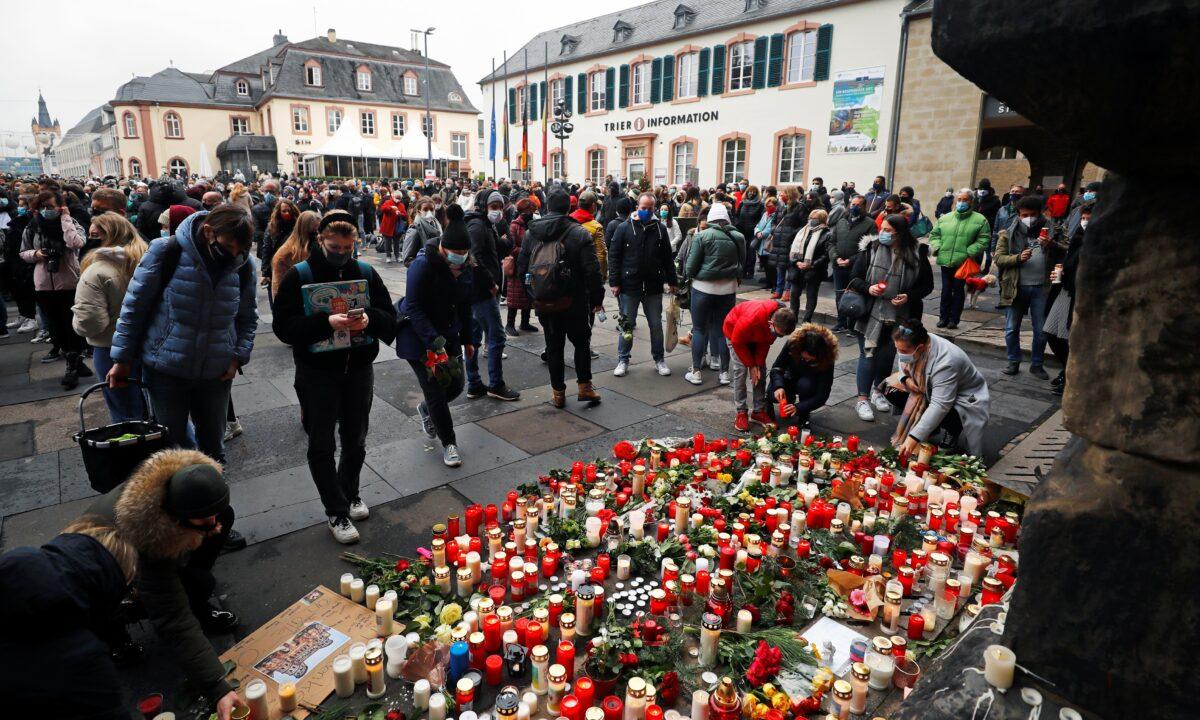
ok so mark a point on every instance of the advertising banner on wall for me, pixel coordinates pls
(854, 121)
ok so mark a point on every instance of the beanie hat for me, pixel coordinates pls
(837, 195)
(718, 211)
(495, 197)
(176, 215)
(196, 491)
(558, 201)
(455, 236)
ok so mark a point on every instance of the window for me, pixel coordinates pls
(242, 88)
(299, 119)
(733, 160)
(741, 65)
(174, 126)
(458, 144)
(428, 125)
(523, 102)
(641, 83)
(688, 70)
(312, 75)
(366, 122)
(241, 125)
(135, 168)
(556, 165)
(363, 79)
(684, 16)
(398, 125)
(596, 165)
(410, 84)
(558, 94)
(567, 44)
(683, 160)
(801, 56)
(333, 119)
(622, 31)
(596, 80)
(130, 125)
(178, 167)
(792, 149)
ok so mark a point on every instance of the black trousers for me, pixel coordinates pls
(56, 304)
(342, 401)
(810, 284)
(438, 399)
(572, 324)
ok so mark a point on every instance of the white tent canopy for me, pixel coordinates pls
(348, 142)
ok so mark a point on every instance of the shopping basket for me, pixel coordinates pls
(111, 453)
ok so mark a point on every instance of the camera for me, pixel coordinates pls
(53, 250)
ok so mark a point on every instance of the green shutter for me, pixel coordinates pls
(610, 88)
(705, 59)
(569, 93)
(824, 50)
(718, 69)
(668, 78)
(656, 70)
(583, 93)
(775, 63)
(533, 101)
(623, 98)
(512, 106)
(758, 80)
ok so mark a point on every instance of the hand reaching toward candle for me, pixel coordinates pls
(226, 705)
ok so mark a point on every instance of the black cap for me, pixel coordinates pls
(455, 236)
(196, 491)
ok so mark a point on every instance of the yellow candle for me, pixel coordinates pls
(287, 697)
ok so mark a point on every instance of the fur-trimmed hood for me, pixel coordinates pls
(865, 241)
(825, 334)
(139, 513)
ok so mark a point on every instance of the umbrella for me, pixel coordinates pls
(205, 168)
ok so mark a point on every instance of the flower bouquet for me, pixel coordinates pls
(441, 367)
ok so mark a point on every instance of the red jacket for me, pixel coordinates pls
(388, 214)
(748, 327)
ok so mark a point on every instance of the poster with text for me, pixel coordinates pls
(854, 121)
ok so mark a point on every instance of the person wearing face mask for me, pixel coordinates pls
(750, 329)
(279, 228)
(264, 210)
(958, 236)
(335, 386)
(749, 211)
(435, 317)
(876, 197)
(1059, 203)
(1088, 197)
(210, 200)
(853, 226)
(714, 264)
(487, 247)
(391, 215)
(802, 374)
(809, 258)
(837, 207)
(189, 315)
(162, 196)
(1026, 259)
(987, 201)
(1007, 214)
(516, 299)
(423, 230)
(1057, 327)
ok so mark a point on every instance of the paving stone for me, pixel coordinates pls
(396, 385)
(37, 527)
(35, 391)
(523, 369)
(712, 407)
(258, 395)
(491, 486)
(29, 483)
(540, 428)
(645, 384)
(1017, 407)
(841, 419)
(16, 440)
(286, 385)
(271, 524)
(73, 483)
(844, 388)
(271, 440)
(415, 464)
(616, 409)
(465, 410)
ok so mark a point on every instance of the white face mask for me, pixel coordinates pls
(494, 215)
(1083, 223)
(428, 214)
(1027, 221)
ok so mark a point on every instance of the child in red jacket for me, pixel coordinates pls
(750, 329)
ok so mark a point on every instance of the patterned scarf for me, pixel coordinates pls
(917, 401)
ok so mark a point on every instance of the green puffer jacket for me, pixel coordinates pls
(717, 253)
(958, 236)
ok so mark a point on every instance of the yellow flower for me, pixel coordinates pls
(781, 702)
(769, 690)
(451, 614)
(725, 478)
(748, 706)
(425, 581)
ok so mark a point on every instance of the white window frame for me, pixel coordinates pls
(522, 103)
(333, 119)
(688, 69)
(741, 65)
(429, 124)
(791, 162)
(135, 168)
(130, 125)
(597, 91)
(172, 167)
(458, 144)
(240, 125)
(682, 169)
(597, 159)
(639, 84)
(366, 122)
(242, 88)
(399, 122)
(410, 85)
(556, 165)
(300, 118)
(312, 75)
(801, 56)
(173, 125)
(733, 164)
(363, 80)
(557, 93)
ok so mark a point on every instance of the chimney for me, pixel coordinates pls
(279, 39)
(332, 35)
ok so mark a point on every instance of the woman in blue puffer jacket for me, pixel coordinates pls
(189, 315)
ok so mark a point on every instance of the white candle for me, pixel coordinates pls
(371, 596)
(385, 622)
(935, 494)
(357, 590)
(965, 584)
(421, 691)
(347, 578)
(975, 566)
(577, 578)
(397, 651)
(700, 705)
(683, 509)
(592, 527)
(343, 676)
(881, 666)
(287, 697)
(999, 663)
(949, 497)
(744, 619)
(843, 512)
(256, 699)
(530, 701)
(967, 504)
(868, 522)
(800, 524)
(623, 567)
(476, 564)
(471, 618)
(523, 712)
(637, 523)
(358, 651)
(437, 707)
(710, 636)
(702, 564)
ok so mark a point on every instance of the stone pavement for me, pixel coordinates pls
(43, 484)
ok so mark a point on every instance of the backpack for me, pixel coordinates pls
(549, 278)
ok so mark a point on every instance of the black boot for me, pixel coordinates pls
(70, 379)
(81, 368)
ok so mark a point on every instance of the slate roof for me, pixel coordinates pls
(652, 23)
(93, 122)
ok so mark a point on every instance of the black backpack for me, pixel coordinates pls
(549, 279)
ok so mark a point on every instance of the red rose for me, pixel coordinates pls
(402, 565)
(624, 450)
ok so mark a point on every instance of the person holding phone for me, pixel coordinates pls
(335, 387)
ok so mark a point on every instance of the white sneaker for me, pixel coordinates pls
(29, 325)
(714, 363)
(41, 337)
(427, 424)
(723, 378)
(621, 369)
(693, 376)
(388, 260)
(451, 457)
(880, 402)
(14, 323)
(865, 413)
(359, 510)
(232, 430)
(343, 530)
(662, 368)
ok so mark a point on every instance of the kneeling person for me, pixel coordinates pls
(802, 375)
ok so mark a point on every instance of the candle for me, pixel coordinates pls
(585, 690)
(347, 578)
(570, 707)
(376, 684)
(437, 707)
(593, 526)
(881, 667)
(396, 647)
(421, 693)
(744, 619)
(929, 615)
(992, 591)
(357, 590)
(256, 700)
(558, 687)
(584, 599)
(843, 698)
(566, 626)
(464, 695)
(287, 697)
(999, 666)
(947, 600)
(593, 713)
(860, 676)
(358, 665)
(530, 701)
(710, 636)
(385, 620)
(700, 705)
(475, 564)
(623, 564)
(343, 676)
(466, 583)
(635, 699)
(372, 596)
(564, 655)
(539, 682)
(891, 612)
(459, 660)
(637, 519)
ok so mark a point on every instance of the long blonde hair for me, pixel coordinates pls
(237, 192)
(104, 533)
(118, 232)
(295, 249)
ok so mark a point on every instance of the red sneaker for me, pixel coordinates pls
(762, 418)
(774, 296)
(742, 423)
(787, 296)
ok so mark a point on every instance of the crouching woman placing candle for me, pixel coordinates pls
(802, 375)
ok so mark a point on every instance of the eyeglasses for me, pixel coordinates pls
(206, 528)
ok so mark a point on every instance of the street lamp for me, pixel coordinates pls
(562, 129)
(428, 119)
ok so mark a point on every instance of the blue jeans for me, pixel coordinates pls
(781, 281)
(708, 314)
(652, 306)
(841, 278)
(487, 322)
(123, 403)
(205, 402)
(872, 370)
(1033, 299)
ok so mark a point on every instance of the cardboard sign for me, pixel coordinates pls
(298, 645)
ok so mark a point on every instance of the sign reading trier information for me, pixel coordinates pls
(640, 124)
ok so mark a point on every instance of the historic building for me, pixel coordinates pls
(90, 148)
(293, 98)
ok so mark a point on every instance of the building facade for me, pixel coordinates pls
(298, 94)
(774, 92)
(91, 147)
(46, 135)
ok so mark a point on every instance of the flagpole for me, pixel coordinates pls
(492, 130)
(526, 106)
(545, 110)
(507, 162)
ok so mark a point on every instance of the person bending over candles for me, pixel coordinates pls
(802, 375)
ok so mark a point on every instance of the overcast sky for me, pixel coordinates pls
(78, 53)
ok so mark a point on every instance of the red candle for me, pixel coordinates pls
(603, 560)
(702, 580)
(570, 708)
(476, 545)
(491, 515)
(500, 568)
(654, 712)
(916, 626)
(852, 443)
(522, 628)
(555, 609)
(898, 558)
(565, 656)
(496, 593)
(597, 574)
(491, 633)
(613, 707)
(150, 705)
(728, 555)
(549, 565)
(452, 530)
(495, 664)
(803, 549)
(534, 635)
(698, 442)
(663, 530)
(585, 690)
(474, 518)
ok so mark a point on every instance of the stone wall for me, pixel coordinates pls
(939, 121)
(1004, 173)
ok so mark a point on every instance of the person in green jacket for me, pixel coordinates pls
(958, 235)
(714, 265)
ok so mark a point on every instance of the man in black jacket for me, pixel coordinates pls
(586, 288)
(335, 384)
(487, 249)
(851, 229)
(162, 196)
(749, 212)
(639, 263)
(261, 211)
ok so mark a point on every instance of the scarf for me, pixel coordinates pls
(888, 267)
(917, 401)
(808, 248)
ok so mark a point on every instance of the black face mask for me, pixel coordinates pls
(220, 254)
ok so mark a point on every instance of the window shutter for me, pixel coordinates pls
(512, 106)
(533, 101)
(824, 50)
(610, 89)
(623, 98)
(775, 63)
(758, 79)
(583, 94)
(718, 69)
(656, 70)
(568, 93)
(702, 85)
(545, 104)
(668, 79)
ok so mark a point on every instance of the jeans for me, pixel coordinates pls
(652, 306)
(56, 307)
(841, 278)
(391, 245)
(1033, 299)
(781, 281)
(573, 324)
(487, 322)
(123, 403)
(810, 285)
(872, 370)
(437, 398)
(206, 402)
(342, 399)
(708, 315)
(740, 376)
(954, 295)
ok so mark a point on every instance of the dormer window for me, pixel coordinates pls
(410, 83)
(242, 88)
(362, 78)
(569, 43)
(454, 97)
(754, 5)
(684, 15)
(312, 73)
(622, 31)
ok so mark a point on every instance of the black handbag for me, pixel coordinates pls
(852, 305)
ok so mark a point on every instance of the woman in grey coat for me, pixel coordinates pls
(423, 230)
